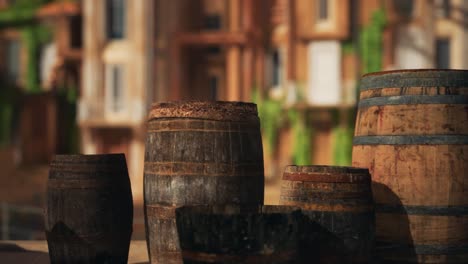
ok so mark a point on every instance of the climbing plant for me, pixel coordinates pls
(21, 16)
(302, 134)
(269, 112)
(33, 37)
(370, 42)
(370, 53)
(273, 116)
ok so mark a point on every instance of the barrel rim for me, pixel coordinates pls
(212, 110)
(415, 78)
(88, 158)
(310, 169)
(234, 209)
(379, 73)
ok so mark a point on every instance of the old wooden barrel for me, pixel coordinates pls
(89, 210)
(198, 153)
(412, 134)
(239, 234)
(339, 199)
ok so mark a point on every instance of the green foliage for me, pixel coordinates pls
(348, 47)
(302, 134)
(269, 112)
(370, 42)
(21, 12)
(33, 37)
(342, 145)
(273, 117)
(21, 15)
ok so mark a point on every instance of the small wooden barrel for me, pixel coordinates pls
(89, 210)
(236, 234)
(412, 134)
(340, 200)
(198, 153)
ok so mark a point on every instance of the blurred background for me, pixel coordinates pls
(80, 76)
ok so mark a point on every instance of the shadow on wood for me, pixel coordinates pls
(387, 248)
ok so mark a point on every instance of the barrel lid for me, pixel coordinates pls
(415, 78)
(88, 159)
(324, 173)
(88, 166)
(212, 110)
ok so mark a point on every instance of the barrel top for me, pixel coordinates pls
(238, 209)
(89, 159)
(323, 173)
(212, 110)
(415, 78)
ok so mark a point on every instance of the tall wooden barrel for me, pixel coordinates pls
(339, 199)
(237, 234)
(412, 134)
(89, 210)
(198, 153)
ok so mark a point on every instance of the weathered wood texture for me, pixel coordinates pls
(240, 234)
(89, 210)
(198, 153)
(412, 134)
(339, 199)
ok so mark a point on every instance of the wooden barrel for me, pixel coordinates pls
(339, 199)
(198, 153)
(412, 134)
(238, 234)
(89, 210)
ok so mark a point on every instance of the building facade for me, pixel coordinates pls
(306, 55)
(117, 80)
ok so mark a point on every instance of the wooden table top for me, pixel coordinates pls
(36, 252)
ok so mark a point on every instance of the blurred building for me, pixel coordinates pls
(40, 65)
(307, 55)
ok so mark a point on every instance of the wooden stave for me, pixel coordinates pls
(249, 166)
(446, 92)
(95, 244)
(357, 211)
(242, 252)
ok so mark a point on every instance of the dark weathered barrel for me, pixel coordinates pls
(412, 134)
(237, 234)
(89, 210)
(198, 153)
(340, 200)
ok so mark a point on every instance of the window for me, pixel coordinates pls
(324, 72)
(115, 13)
(12, 64)
(76, 37)
(115, 93)
(443, 53)
(322, 10)
(443, 8)
(404, 7)
(212, 22)
(276, 68)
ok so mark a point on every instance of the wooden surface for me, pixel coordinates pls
(89, 209)
(412, 134)
(240, 234)
(198, 153)
(339, 199)
(36, 252)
